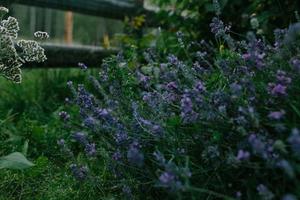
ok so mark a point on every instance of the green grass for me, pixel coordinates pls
(28, 115)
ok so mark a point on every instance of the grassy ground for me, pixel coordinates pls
(29, 124)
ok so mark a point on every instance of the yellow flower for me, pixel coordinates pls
(138, 21)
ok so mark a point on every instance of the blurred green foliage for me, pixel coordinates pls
(194, 16)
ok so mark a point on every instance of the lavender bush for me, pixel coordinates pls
(214, 122)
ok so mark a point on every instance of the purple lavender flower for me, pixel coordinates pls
(173, 60)
(61, 142)
(172, 86)
(187, 112)
(276, 115)
(90, 149)
(279, 36)
(102, 113)
(289, 197)
(121, 136)
(84, 99)
(294, 141)
(282, 78)
(199, 87)
(277, 89)
(135, 156)
(286, 167)
(167, 178)
(236, 89)
(143, 80)
(296, 64)
(255, 52)
(89, 122)
(159, 157)
(258, 145)
(180, 38)
(218, 28)
(264, 192)
(64, 116)
(238, 194)
(242, 155)
(80, 137)
(79, 172)
(117, 156)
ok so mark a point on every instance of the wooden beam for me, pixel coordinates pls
(65, 56)
(114, 9)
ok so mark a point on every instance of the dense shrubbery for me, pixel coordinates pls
(193, 16)
(182, 120)
(213, 122)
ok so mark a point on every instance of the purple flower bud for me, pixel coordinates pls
(80, 137)
(199, 87)
(64, 115)
(258, 146)
(173, 60)
(61, 142)
(243, 155)
(90, 149)
(286, 167)
(117, 156)
(294, 140)
(238, 194)
(276, 115)
(282, 78)
(264, 192)
(159, 157)
(89, 122)
(236, 88)
(289, 197)
(79, 172)
(277, 89)
(167, 178)
(187, 112)
(134, 155)
(143, 80)
(296, 64)
(172, 86)
(121, 136)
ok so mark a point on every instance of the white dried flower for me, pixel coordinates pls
(41, 35)
(12, 27)
(10, 59)
(3, 10)
(32, 51)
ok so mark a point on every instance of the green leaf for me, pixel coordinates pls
(15, 161)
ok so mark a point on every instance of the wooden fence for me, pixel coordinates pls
(68, 55)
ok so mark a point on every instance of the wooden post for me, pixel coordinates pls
(68, 27)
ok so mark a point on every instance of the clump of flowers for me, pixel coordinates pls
(206, 123)
(13, 53)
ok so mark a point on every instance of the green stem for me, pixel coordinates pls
(206, 191)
